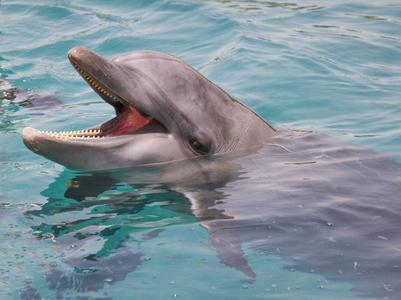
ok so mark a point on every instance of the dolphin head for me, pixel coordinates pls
(165, 111)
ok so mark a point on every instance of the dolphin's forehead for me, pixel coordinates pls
(167, 74)
(159, 69)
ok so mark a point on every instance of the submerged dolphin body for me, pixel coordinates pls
(166, 111)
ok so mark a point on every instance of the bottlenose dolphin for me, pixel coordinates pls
(166, 111)
(325, 206)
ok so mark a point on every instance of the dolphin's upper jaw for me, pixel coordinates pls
(106, 94)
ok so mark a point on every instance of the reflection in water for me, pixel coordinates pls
(92, 225)
(322, 205)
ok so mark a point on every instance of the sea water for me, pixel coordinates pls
(327, 66)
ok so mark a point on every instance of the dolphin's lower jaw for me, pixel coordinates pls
(92, 153)
(115, 143)
(97, 147)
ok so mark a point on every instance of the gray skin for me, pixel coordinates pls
(186, 115)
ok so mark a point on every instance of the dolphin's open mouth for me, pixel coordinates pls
(128, 118)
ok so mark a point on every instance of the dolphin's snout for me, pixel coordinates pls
(80, 51)
(28, 137)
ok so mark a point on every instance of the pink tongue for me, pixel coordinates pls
(130, 120)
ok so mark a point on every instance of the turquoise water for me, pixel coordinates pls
(327, 66)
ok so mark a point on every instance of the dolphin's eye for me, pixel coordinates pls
(199, 147)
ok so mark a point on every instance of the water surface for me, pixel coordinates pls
(327, 66)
